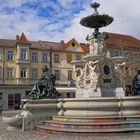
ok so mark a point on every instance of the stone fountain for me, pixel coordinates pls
(99, 75)
(100, 105)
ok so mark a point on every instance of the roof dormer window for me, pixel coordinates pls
(73, 44)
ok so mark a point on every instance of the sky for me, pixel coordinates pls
(55, 20)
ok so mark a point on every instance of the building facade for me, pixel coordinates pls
(21, 64)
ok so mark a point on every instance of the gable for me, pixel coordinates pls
(73, 46)
(23, 40)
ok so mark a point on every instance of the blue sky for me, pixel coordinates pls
(56, 20)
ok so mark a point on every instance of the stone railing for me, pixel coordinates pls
(104, 106)
(43, 106)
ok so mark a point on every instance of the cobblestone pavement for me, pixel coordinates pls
(37, 135)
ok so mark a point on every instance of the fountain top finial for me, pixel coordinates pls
(95, 5)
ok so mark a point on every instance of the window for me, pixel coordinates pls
(126, 53)
(135, 55)
(116, 53)
(78, 57)
(10, 55)
(0, 95)
(45, 57)
(23, 55)
(69, 58)
(57, 74)
(70, 75)
(9, 73)
(23, 73)
(34, 57)
(34, 74)
(56, 58)
(73, 44)
(68, 95)
(0, 72)
(0, 56)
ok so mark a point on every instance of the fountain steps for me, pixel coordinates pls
(72, 130)
(91, 119)
(91, 124)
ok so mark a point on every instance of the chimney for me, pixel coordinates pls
(17, 37)
(62, 41)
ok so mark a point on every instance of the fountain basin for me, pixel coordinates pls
(96, 21)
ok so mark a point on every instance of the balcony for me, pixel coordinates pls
(23, 81)
(24, 61)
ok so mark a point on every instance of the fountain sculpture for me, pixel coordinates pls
(45, 86)
(99, 74)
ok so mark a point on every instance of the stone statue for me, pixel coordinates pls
(94, 74)
(97, 43)
(119, 73)
(92, 65)
(87, 71)
(80, 77)
(136, 84)
(45, 86)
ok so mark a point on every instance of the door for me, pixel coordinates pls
(17, 101)
(11, 98)
(14, 101)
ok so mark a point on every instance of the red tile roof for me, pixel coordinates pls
(23, 39)
(7, 43)
(85, 47)
(114, 40)
(121, 40)
(118, 40)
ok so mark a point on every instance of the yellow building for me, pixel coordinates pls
(21, 63)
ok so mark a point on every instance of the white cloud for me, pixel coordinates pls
(25, 19)
(126, 15)
(14, 3)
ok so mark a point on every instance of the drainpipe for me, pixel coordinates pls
(3, 78)
(50, 54)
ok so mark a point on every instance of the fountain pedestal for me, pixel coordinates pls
(98, 74)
